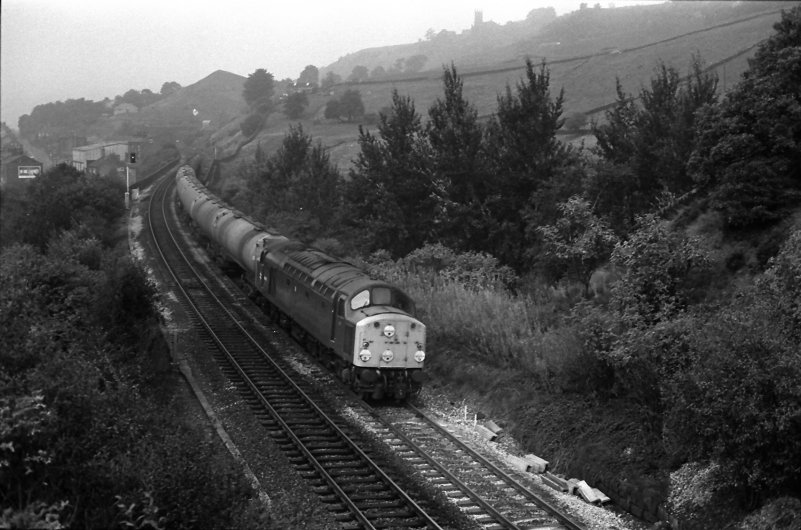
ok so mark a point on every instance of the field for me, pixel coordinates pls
(585, 65)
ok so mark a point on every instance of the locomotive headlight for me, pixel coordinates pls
(419, 356)
(389, 331)
(365, 355)
(387, 356)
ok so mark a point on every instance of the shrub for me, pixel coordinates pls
(472, 270)
(737, 404)
(252, 124)
(72, 410)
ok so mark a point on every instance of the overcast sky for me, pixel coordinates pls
(53, 50)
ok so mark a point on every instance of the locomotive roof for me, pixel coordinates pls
(320, 267)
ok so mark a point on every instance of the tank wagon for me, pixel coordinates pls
(363, 329)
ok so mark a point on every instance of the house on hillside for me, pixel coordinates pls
(19, 170)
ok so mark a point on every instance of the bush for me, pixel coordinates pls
(77, 420)
(737, 401)
(472, 270)
(252, 124)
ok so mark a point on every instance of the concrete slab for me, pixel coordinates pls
(554, 481)
(486, 433)
(536, 464)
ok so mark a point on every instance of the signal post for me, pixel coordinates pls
(131, 160)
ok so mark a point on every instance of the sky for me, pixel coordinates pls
(54, 50)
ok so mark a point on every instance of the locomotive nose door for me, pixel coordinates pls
(336, 318)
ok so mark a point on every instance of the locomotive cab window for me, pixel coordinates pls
(382, 296)
(360, 300)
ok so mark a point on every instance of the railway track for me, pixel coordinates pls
(356, 489)
(359, 493)
(491, 495)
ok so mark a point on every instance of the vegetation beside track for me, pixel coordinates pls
(93, 430)
(651, 317)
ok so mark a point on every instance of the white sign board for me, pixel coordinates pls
(29, 172)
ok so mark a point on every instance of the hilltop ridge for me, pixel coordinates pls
(216, 97)
(543, 35)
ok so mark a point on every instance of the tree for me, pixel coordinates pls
(397, 66)
(646, 148)
(258, 91)
(251, 124)
(578, 243)
(310, 76)
(330, 80)
(296, 189)
(378, 72)
(134, 97)
(616, 136)
(69, 115)
(295, 104)
(79, 420)
(649, 323)
(655, 262)
(148, 97)
(64, 198)
(332, 109)
(749, 147)
(351, 105)
(415, 63)
(359, 74)
(169, 87)
(733, 400)
(390, 193)
(525, 154)
(459, 166)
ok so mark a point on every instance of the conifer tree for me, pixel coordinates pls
(458, 165)
(390, 194)
(525, 155)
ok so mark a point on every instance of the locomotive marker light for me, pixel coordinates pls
(419, 356)
(365, 355)
(387, 356)
(389, 331)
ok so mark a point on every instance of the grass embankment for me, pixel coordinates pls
(516, 360)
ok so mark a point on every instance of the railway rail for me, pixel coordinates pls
(355, 487)
(492, 495)
(360, 494)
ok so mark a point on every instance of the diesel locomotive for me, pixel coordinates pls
(363, 329)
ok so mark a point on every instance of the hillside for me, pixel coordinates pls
(651, 344)
(585, 51)
(216, 97)
(473, 46)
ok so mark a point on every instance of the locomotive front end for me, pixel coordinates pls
(389, 353)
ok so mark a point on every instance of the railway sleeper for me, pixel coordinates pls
(378, 514)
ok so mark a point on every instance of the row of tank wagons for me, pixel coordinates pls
(364, 329)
